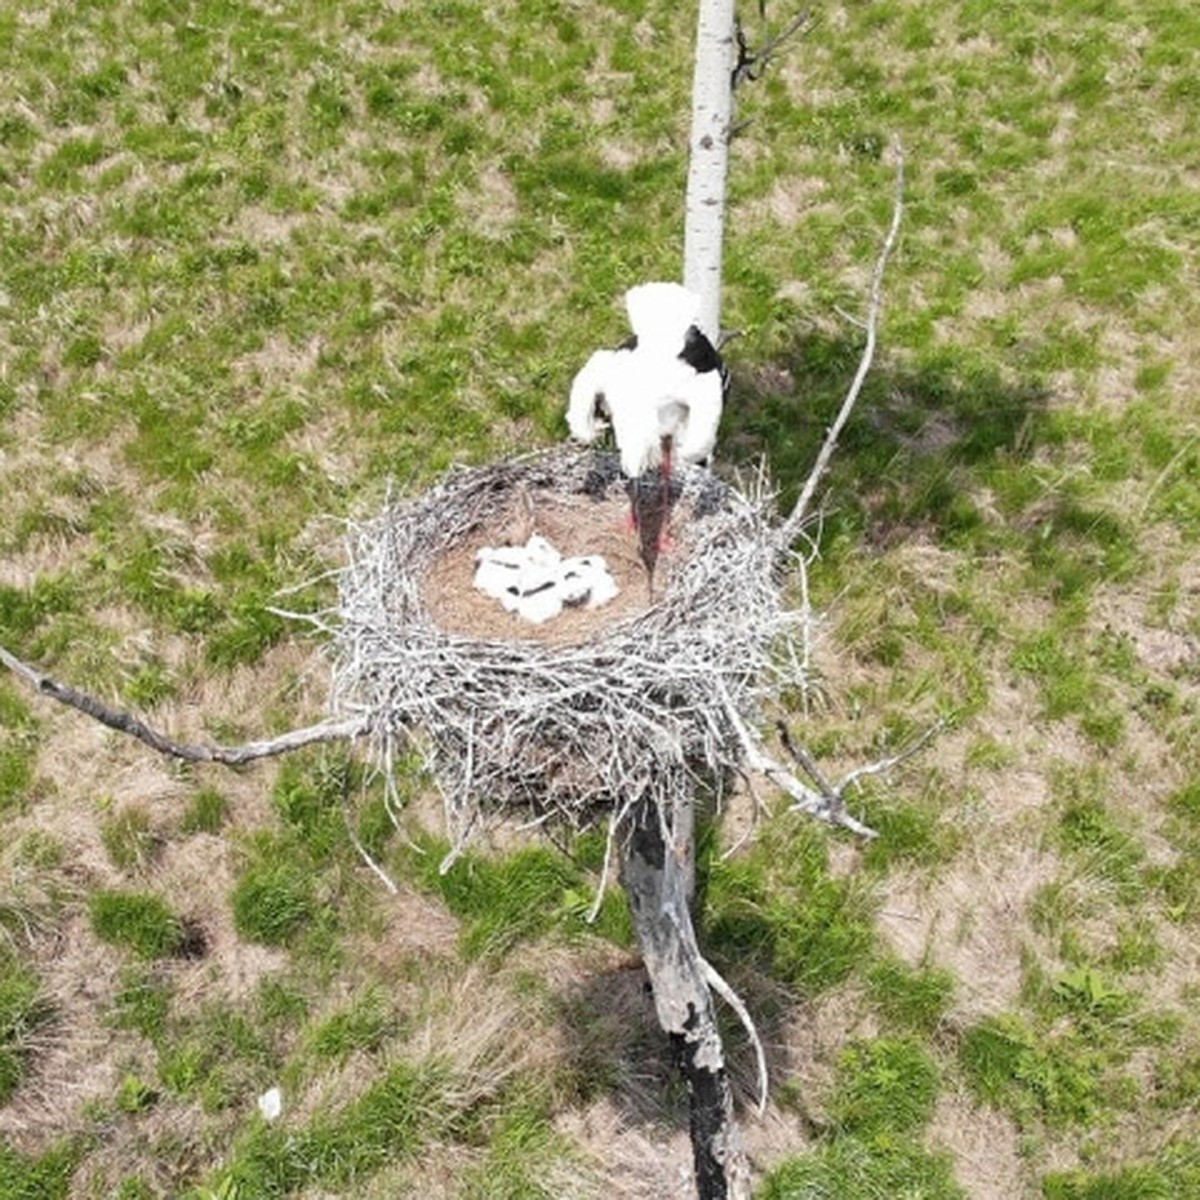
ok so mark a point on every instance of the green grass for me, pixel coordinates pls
(24, 1011)
(1176, 1172)
(780, 908)
(257, 265)
(42, 1177)
(206, 813)
(882, 1099)
(274, 899)
(505, 900)
(139, 921)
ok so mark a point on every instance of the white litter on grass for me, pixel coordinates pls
(270, 1104)
(537, 583)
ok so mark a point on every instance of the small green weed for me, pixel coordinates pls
(135, 1096)
(864, 1169)
(128, 838)
(274, 899)
(912, 998)
(217, 1057)
(1174, 1173)
(18, 748)
(1105, 850)
(142, 1002)
(38, 1177)
(366, 1025)
(309, 796)
(888, 1085)
(521, 896)
(205, 813)
(1055, 1077)
(139, 921)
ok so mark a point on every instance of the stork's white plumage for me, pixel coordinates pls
(662, 391)
(661, 314)
(587, 409)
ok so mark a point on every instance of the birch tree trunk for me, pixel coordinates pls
(658, 864)
(708, 160)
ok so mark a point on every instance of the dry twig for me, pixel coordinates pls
(790, 528)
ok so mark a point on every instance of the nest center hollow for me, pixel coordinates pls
(575, 524)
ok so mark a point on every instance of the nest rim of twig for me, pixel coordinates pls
(652, 704)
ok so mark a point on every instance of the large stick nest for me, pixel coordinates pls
(582, 718)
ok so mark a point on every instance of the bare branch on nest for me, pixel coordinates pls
(791, 527)
(834, 795)
(804, 799)
(123, 722)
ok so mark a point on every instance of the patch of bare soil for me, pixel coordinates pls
(984, 1146)
(972, 920)
(79, 1057)
(574, 525)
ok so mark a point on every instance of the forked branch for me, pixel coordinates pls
(751, 64)
(123, 722)
(834, 795)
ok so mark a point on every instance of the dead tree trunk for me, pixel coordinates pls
(658, 873)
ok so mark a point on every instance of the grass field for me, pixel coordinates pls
(257, 261)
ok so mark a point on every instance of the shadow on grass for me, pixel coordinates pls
(919, 441)
(776, 951)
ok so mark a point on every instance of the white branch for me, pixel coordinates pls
(791, 527)
(714, 980)
(804, 800)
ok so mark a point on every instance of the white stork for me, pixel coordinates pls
(662, 391)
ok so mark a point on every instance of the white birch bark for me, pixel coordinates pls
(708, 160)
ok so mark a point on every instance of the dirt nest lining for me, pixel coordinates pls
(574, 525)
(638, 699)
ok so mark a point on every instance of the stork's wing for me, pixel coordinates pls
(587, 408)
(698, 434)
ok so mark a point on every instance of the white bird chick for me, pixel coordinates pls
(539, 552)
(586, 579)
(497, 568)
(603, 587)
(539, 598)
